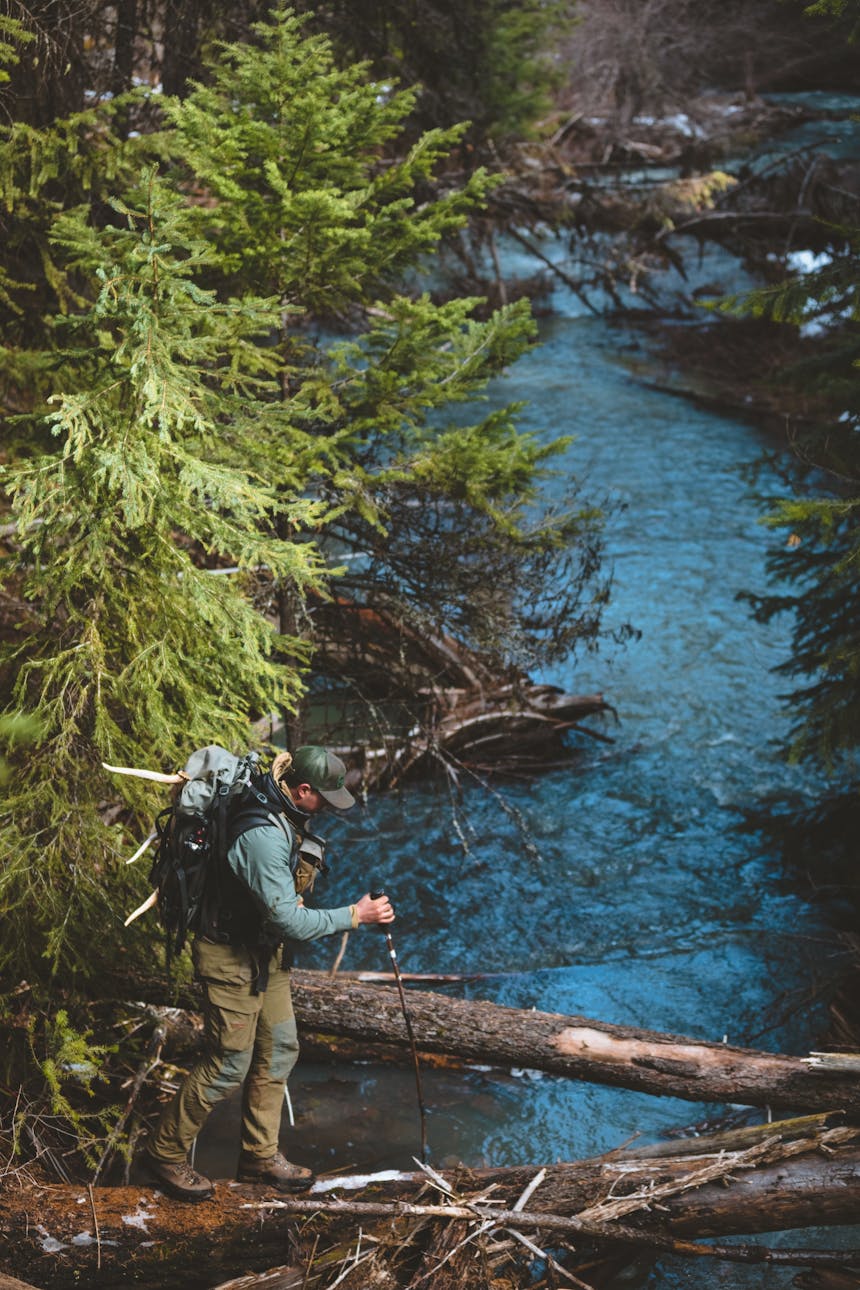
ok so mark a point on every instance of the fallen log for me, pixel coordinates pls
(797, 1129)
(540, 1221)
(65, 1236)
(559, 1223)
(343, 1018)
(488, 1034)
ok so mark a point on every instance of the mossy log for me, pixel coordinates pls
(65, 1236)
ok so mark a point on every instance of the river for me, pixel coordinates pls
(621, 888)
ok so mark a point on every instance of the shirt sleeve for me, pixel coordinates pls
(260, 858)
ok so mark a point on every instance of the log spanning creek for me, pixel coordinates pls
(620, 888)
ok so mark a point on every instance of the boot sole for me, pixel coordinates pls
(193, 1198)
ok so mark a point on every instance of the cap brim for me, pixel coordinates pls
(340, 798)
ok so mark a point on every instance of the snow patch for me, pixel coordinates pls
(49, 1243)
(140, 1219)
(355, 1182)
(680, 121)
(87, 1238)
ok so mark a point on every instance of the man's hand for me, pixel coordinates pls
(374, 911)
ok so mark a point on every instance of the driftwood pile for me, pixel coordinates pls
(439, 706)
(454, 1228)
(504, 728)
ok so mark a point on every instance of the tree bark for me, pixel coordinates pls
(50, 1233)
(644, 1060)
(12, 1283)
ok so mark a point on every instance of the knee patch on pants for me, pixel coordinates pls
(285, 1049)
(230, 1035)
(232, 1069)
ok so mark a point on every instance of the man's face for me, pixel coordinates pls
(307, 799)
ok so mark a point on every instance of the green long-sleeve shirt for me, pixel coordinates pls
(260, 858)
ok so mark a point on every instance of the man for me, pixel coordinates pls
(244, 965)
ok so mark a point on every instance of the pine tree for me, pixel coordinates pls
(174, 413)
(814, 569)
(133, 647)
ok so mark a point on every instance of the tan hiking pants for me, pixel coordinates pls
(250, 1039)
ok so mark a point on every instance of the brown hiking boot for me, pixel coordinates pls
(276, 1171)
(178, 1180)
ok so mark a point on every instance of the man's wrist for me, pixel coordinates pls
(353, 914)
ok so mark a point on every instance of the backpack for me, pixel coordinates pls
(191, 854)
(218, 800)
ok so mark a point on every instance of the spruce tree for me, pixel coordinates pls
(312, 195)
(814, 566)
(232, 378)
(131, 647)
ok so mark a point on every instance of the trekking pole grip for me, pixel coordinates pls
(375, 893)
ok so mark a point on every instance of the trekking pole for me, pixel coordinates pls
(374, 895)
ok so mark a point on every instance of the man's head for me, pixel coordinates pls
(314, 778)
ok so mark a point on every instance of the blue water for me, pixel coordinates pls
(837, 136)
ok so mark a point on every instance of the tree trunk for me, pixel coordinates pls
(123, 59)
(645, 1060)
(180, 58)
(66, 1236)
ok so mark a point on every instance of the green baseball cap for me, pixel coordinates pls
(325, 773)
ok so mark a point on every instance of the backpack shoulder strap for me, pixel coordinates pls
(258, 814)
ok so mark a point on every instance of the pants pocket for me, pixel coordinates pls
(231, 1031)
(226, 964)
